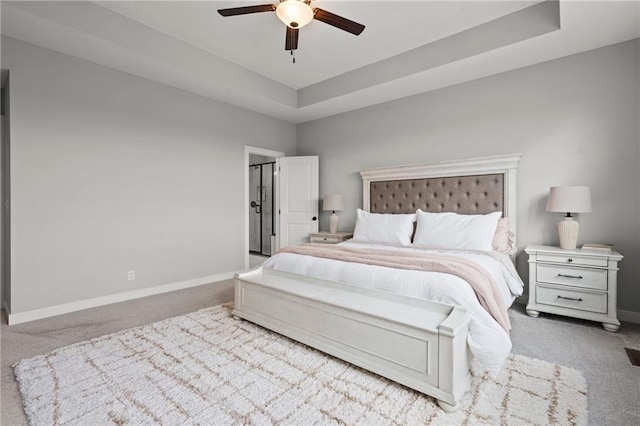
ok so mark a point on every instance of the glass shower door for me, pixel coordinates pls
(261, 216)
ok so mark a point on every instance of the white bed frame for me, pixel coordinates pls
(420, 344)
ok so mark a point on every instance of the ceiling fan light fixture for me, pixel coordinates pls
(294, 13)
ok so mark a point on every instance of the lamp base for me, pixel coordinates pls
(568, 230)
(333, 223)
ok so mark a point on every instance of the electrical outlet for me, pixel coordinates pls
(132, 275)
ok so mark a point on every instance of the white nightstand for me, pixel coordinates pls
(329, 238)
(576, 283)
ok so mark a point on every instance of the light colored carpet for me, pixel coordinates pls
(205, 367)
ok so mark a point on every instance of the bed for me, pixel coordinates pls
(418, 328)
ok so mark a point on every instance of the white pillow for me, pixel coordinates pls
(384, 228)
(456, 231)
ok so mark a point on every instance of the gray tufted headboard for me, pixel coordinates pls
(477, 194)
(472, 186)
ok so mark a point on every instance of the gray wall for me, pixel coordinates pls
(574, 119)
(112, 173)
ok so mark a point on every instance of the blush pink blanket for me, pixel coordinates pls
(478, 278)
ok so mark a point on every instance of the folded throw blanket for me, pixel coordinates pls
(478, 278)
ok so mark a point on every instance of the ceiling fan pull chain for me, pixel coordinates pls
(294, 56)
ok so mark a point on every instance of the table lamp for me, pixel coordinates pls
(569, 199)
(333, 202)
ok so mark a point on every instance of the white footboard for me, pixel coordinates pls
(420, 344)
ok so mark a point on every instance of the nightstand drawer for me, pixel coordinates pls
(584, 301)
(574, 277)
(327, 240)
(572, 260)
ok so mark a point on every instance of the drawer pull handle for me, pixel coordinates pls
(570, 260)
(579, 299)
(578, 277)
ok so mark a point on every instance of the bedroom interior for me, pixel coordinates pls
(127, 156)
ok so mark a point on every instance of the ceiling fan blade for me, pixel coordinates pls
(291, 43)
(247, 9)
(338, 21)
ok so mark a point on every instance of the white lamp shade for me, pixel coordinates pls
(569, 199)
(333, 202)
(294, 13)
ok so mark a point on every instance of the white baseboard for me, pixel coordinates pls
(79, 305)
(65, 308)
(629, 316)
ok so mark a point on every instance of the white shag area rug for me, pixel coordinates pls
(207, 368)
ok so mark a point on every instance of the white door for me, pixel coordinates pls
(298, 199)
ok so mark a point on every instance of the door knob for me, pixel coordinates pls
(314, 218)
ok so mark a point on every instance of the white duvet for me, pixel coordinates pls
(488, 341)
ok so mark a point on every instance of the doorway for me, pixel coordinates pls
(261, 204)
(294, 208)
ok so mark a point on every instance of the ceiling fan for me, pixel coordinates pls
(296, 14)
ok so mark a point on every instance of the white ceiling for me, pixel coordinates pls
(256, 41)
(408, 47)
